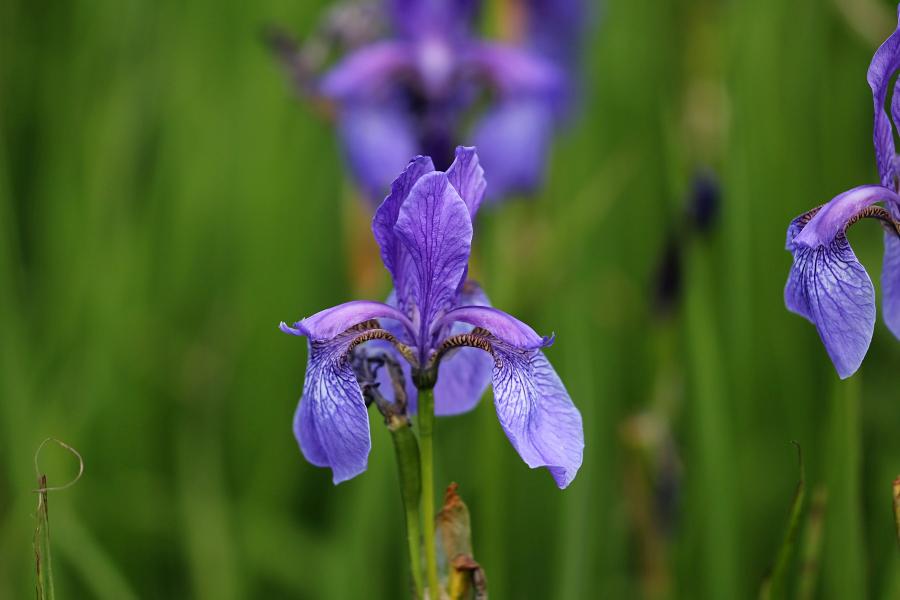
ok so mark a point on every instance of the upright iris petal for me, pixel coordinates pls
(435, 228)
(890, 281)
(442, 326)
(884, 65)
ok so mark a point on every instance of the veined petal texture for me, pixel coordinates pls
(434, 226)
(536, 412)
(829, 287)
(331, 422)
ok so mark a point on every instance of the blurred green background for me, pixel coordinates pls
(165, 201)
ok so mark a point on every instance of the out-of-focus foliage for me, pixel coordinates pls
(164, 202)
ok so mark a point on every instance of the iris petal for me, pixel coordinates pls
(393, 253)
(434, 227)
(831, 219)
(377, 139)
(331, 422)
(885, 63)
(514, 72)
(500, 324)
(464, 374)
(890, 282)
(467, 178)
(828, 286)
(367, 71)
(536, 412)
(331, 322)
(416, 18)
(513, 139)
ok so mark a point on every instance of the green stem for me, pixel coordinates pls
(844, 571)
(426, 431)
(408, 467)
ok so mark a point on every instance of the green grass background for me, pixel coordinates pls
(165, 201)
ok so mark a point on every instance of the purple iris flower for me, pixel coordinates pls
(827, 284)
(439, 323)
(432, 84)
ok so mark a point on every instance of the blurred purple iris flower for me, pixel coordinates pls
(432, 84)
(439, 323)
(827, 284)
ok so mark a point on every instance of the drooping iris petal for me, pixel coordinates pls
(794, 296)
(467, 178)
(435, 228)
(500, 324)
(884, 65)
(536, 412)
(367, 71)
(465, 373)
(331, 322)
(393, 253)
(378, 139)
(513, 139)
(890, 282)
(827, 285)
(331, 422)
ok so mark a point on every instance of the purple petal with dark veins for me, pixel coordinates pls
(885, 63)
(331, 322)
(377, 141)
(435, 229)
(536, 412)
(513, 139)
(366, 71)
(467, 178)
(500, 324)
(829, 287)
(393, 253)
(331, 422)
(465, 373)
(890, 282)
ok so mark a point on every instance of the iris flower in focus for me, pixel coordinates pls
(441, 325)
(432, 83)
(827, 284)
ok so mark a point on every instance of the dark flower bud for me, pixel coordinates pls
(703, 204)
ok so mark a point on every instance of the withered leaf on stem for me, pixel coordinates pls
(466, 579)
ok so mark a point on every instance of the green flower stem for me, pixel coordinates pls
(426, 431)
(844, 560)
(408, 467)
